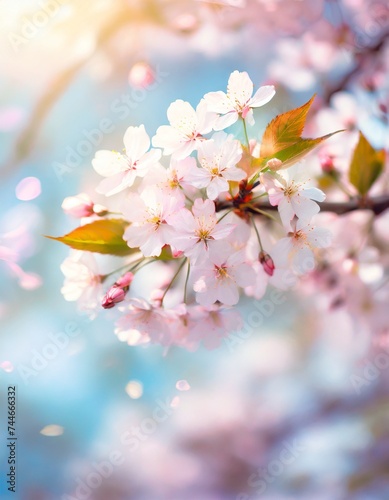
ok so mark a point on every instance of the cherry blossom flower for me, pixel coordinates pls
(121, 170)
(221, 276)
(297, 248)
(149, 322)
(239, 100)
(292, 198)
(148, 214)
(176, 175)
(218, 158)
(186, 129)
(199, 230)
(213, 324)
(82, 280)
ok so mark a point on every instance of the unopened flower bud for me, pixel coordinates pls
(114, 295)
(118, 291)
(274, 164)
(327, 164)
(125, 280)
(267, 263)
(78, 206)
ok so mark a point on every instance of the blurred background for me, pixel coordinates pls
(296, 406)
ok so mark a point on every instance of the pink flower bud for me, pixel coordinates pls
(114, 295)
(267, 263)
(125, 280)
(78, 206)
(274, 164)
(327, 164)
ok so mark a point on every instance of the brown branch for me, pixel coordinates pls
(365, 54)
(377, 205)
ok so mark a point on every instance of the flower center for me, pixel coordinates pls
(221, 272)
(173, 181)
(202, 233)
(291, 190)
(300, 237)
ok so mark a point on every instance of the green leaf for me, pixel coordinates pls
(101, 236)
(366, 165)
(284, 130)
(294, 153)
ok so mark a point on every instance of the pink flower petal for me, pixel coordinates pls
(28, 188)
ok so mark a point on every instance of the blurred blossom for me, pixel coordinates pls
(134, 389)
(141, 75)
(11, 118)
(17, 242)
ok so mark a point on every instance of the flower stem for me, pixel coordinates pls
(141, 264)
(222, 217)
(257, 233)
(136, 261)
(186, 281)
(173, 279)
(245, 133)
(262, 212)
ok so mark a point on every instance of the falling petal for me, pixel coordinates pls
(182, 385)
(28, 189)
(134, 389)
(52, 430)
(7, 366)
(175, 402)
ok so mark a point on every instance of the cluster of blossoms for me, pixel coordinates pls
(196, 214)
